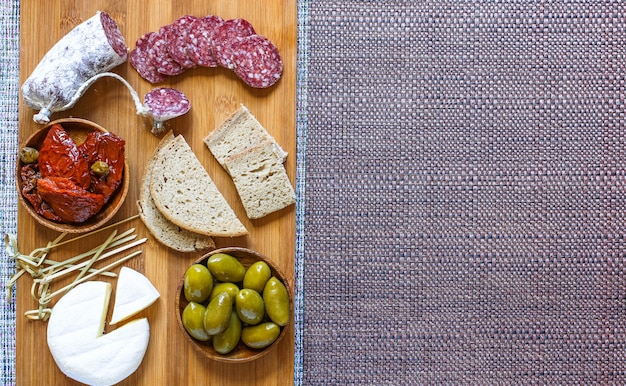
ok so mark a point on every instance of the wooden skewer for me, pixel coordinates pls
(116, 241)
(96, 255)
(32, 262)
(46, 299)
(102, 257)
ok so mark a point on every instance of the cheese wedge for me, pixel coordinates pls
(133, 293)
(78, 345)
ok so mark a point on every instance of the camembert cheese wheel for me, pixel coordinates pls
(78, 345)
(133, 293)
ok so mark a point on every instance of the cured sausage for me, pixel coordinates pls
(177, 40)
(164, 104)
(92, 47)
(160, 55)
(208, 41)
(257, 61)
(225, 34)
(199, 40)
(141, 59)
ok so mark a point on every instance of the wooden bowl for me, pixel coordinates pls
(77, 129)
(241, 353)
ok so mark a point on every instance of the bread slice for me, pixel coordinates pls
(186, 195)
(261, 180)
(163, 230)
(237, 133)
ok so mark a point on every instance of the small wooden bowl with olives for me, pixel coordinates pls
(234, 305)
(78, 130)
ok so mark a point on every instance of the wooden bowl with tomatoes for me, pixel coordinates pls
(72, 175)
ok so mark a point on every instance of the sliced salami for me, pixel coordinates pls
(161, 57)
(92, 47)
(176, 35)
(141, 58)
(225, 35)
(164, 104)
(199, 40)
(257, 61)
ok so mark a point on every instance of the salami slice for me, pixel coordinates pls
(161, 57)
(257, 61)
(141, 59)
(92, 47)
(164, 104)
(199, 40)
(225, 34)
(177, 36)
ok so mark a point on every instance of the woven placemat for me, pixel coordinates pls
(463, 193)
(9, 80)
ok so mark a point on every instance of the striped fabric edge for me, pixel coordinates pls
(9, 72)
(301, 126)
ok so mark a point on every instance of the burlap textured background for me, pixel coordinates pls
(462, 180)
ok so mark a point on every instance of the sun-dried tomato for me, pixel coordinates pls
(59, 157)
(69, 201)
(108, 148)
(30, 175)
(61, 187)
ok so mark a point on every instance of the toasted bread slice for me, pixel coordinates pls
(163, 230)
(186, 195)
(261, 180)
(238, 133)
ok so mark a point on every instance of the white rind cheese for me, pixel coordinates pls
(133, 293)
(78, 345)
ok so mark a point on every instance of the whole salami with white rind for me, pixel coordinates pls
(92, 47)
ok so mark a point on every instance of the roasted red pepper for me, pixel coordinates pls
(61, 187)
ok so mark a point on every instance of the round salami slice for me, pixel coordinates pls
(141, 59)
(257, 61)
(165, 103)
(161, 58)
(199, 40)
(225, 35)
(176, 35)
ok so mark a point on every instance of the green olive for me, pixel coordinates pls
(217, 314)
(29, 155)
(276, 300)
(256, 276)
(227, 340)
(231, 288)
(226, 268)
(193, 321)
(249, 306)
(100, 168)
(197, 283)
(261, 335)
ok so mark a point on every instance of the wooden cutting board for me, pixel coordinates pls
(214, 93)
